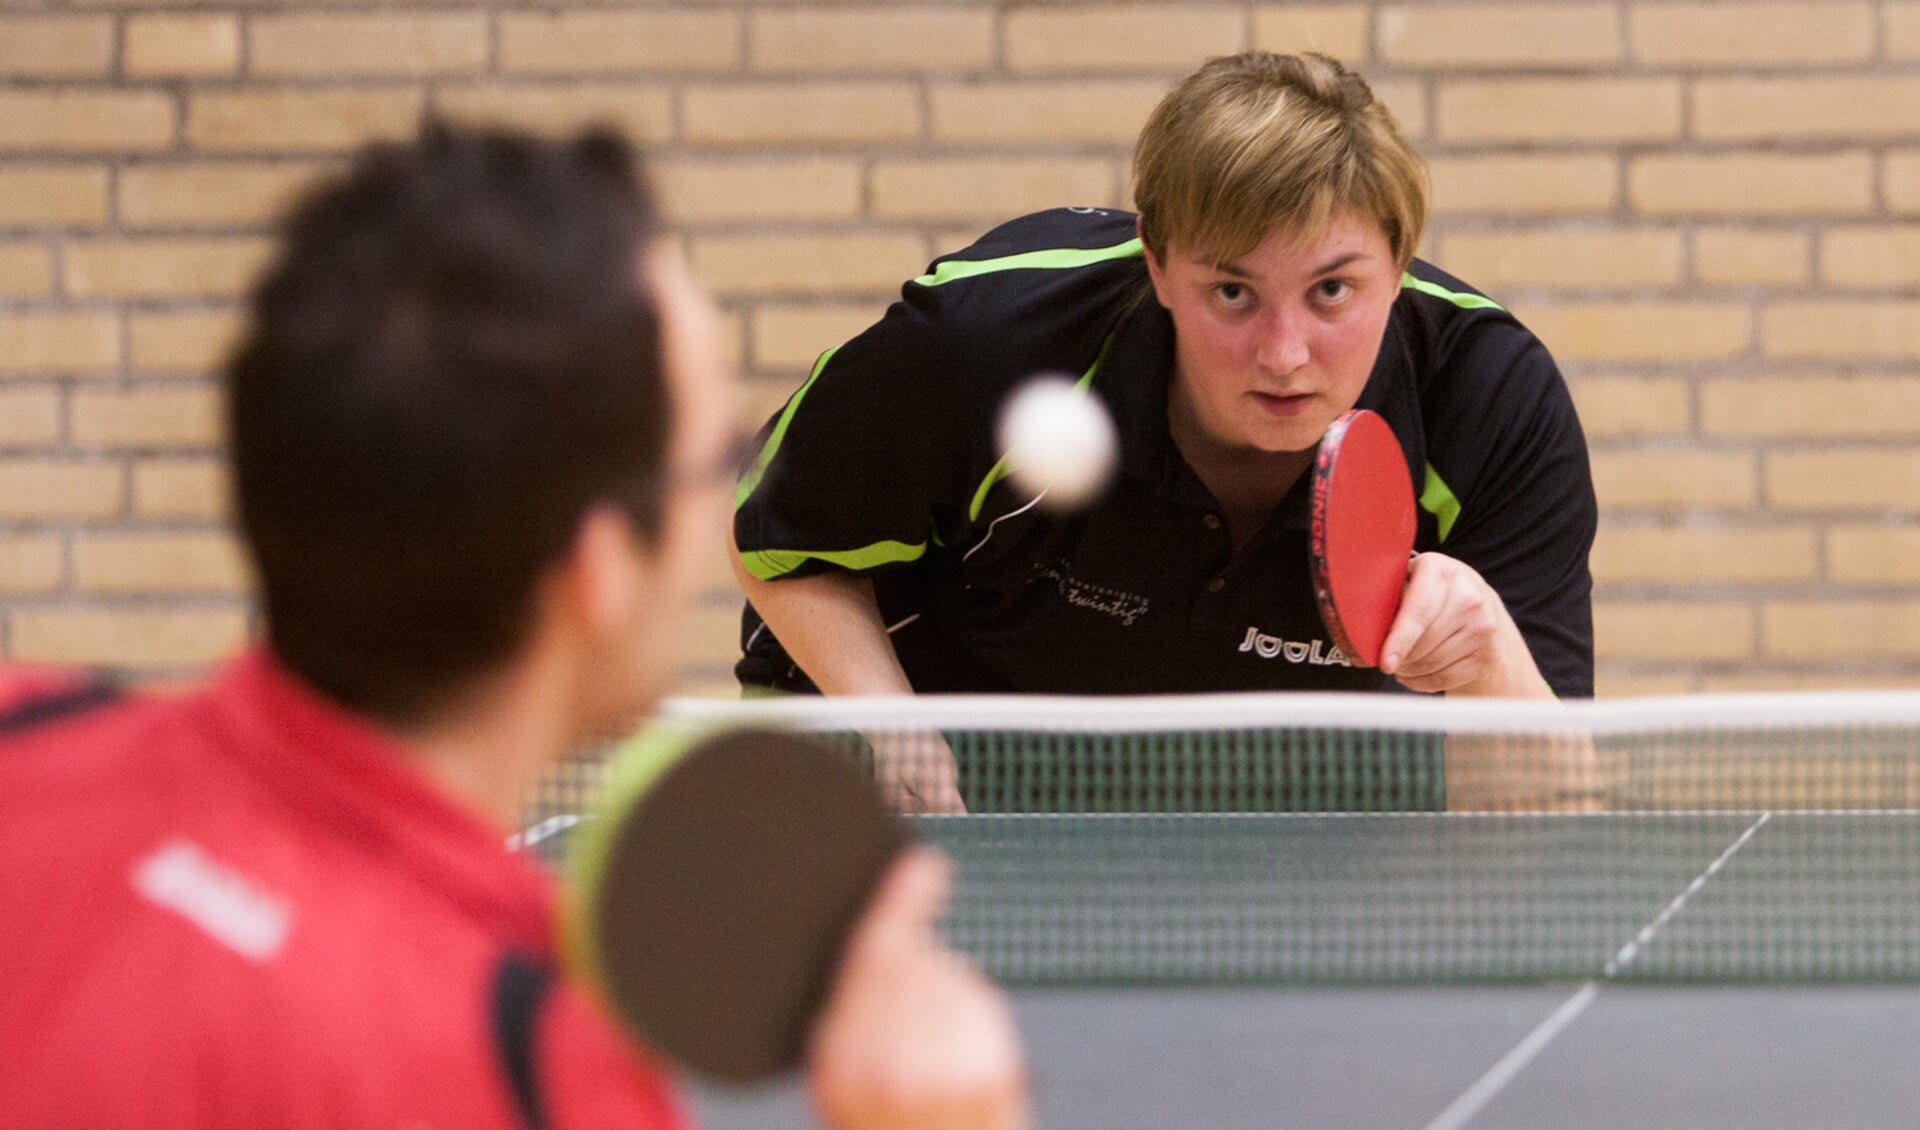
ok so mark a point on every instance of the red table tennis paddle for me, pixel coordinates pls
(1362, 532)
(716, 888)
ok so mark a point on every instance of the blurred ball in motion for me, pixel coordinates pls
(1059, 441)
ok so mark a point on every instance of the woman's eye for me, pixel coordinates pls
(1331, 290)
(1233, 294)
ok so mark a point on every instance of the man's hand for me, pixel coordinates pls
(1453, 634)
(916, 772)
(913, 1036)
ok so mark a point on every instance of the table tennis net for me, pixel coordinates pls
(1342, 839)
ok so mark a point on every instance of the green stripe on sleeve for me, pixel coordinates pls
(1464, 301)
(1049, 259)
(768, 564)
(751, 480)
(1000, 469)
(1437, 499)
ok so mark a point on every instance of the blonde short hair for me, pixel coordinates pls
(1255, 143)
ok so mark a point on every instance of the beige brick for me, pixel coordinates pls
(1660, 629)
(52, 194)
(1750, 34)
(128, 637)
(1842, 329)
(368, 44)
(173, 45)
(1524, 184)
(1407, 99)
(1613, 684)
(873, 38)
(851, 263)
(1749, 257)
(585, 42)
(1801, 109)
(1751, 184)
(1846, 479)
(1903, 29)
(761, 398)
(85, 121)
(212, 193)
(1575, 260)
(164, 268)
(716, 573)
(1693, 555)
(1900, 180)
(1559, 110)
(733, 339)
(1879, 256)
(642, 113)
(1171, 37)
(148, 418)
(59, 343)
(792, 337)
(987, 188)
(774, 113)
(712, 638)
(1099, 110)
(55, 46)
(1631, 406)
(29, 564)
(1811, 404)
(1746, 680)
(1673, 479)
(1339, 30)
(189, 342)
(1874, 555)
(951, 239)
(1841, 629)
(181, 488)
(1642, 331)
(29, 416)
(34, 488)
(794, 188)
(294, 120)
(704, 682)
(26, 270)
(1500, 35)
(159, 563)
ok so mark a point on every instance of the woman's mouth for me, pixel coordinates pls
(1283, 404)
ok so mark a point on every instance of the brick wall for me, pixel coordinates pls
(1710, 211)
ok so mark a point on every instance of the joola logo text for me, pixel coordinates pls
(1316, 653)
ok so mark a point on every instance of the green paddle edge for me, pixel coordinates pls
(633, 767)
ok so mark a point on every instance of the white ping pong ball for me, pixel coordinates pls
(1059, 441)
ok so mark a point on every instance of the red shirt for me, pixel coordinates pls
(245, 907)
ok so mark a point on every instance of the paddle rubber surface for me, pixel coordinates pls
(719, 889)
(1362, 532)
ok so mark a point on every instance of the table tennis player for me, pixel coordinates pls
(1266, 285)
(480, 440)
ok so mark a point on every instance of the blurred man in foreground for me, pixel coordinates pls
(481, 440)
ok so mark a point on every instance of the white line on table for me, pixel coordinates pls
(1475, 1098)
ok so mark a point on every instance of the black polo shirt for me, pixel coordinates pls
(884, 464)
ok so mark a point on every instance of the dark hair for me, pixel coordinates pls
(455, 355)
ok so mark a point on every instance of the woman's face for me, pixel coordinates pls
(1273, 345)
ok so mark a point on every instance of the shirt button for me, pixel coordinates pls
(1211, 521)
(1216, 584)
